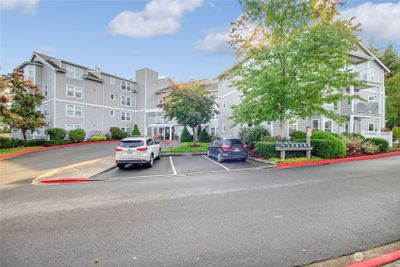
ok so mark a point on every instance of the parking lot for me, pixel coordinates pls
(180, 165)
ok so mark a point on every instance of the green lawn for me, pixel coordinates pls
(186, 148)
(291, 160)
(6, 151)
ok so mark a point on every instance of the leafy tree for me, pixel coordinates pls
(296, 55)
(190, 105)
(136, 131)
(19, 102)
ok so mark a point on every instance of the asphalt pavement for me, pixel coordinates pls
(256, 217)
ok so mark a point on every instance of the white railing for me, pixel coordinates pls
(366, 107)
(368, 74)
(384, 135)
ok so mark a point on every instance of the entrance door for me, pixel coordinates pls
(167, 133)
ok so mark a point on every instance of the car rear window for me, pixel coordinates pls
(131, 143)
(233, 142)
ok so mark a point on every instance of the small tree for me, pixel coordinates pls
(204, 136)
(185, 135)
(20, 100)
(77, 135)
(56, 133)
(136, 131)
(190, 105)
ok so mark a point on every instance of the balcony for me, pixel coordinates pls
(368, 74)
(155, 120)
(366, 107)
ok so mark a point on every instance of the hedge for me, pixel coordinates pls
(6, 142)
(251, 136)
(266, 149)
(351, 135)
(43, 142)
(77, 135)
(56, 133)
(329, 148)
(381, 143)
(297, 135)
(117, 133)
(98, 138)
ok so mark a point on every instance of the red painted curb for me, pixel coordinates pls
(64, 180)
(328, 161)
(54, 147)
(378, 261)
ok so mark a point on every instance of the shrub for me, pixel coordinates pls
(370, 147)
(98, 138)
(273, 139)
(251, 136)
(348, 135)
(185, 135)
(354, 143)
(6, 142)
(380, 142)
(204, 136)
(323, 135)
(136, 131)
(117, 133)
(329, 148)
(266, 149)
(77, 135)
(297, 135)
(396, 133)
(43, 142)
(56, 133)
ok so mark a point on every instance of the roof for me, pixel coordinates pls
(93, 77)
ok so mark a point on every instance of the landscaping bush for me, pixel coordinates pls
(77, 135)
(44, 142)
(136, 131)
(204, 136)
(96, 138)
(324, 135)
(348, 135)
(354, 144)
(117, 133)
(329, 148)
(266, 149)
(251, 136)
(56, 133)
(369, 147)
(298, 135)
(278, 138)
(396, 133)
(185, 135)
(6, 142)
(380, 142)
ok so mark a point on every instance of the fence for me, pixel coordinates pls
(384, 135)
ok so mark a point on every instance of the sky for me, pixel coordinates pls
(181, 39)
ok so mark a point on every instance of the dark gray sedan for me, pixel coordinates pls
(227, 149)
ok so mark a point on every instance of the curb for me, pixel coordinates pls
(65, 180)
(28, 151)
(378, 261)
(329, 161)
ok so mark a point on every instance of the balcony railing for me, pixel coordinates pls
(156, 120)
(366, 107)
(368, 75)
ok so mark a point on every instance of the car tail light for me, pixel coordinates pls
(118, 149)
(142, 148)
(225, 147)
(244, 145)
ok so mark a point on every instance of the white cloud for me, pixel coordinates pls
(26, 6)
(379, 21)
(159, 17)
(214, 42)
(45, 49)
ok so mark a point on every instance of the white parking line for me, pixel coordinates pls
(219, 164)
(172, 165)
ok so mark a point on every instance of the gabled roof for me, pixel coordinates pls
(373, 55)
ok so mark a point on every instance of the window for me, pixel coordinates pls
(315, 124)
(73, 91)
(224, 128)
(125, 116)
(112, 97)
(126, 86)
(371, 127)
(45, 109)
(112, 80)
(213, 131)
(29, 73)
(74, 72)
(46, 90)
(73, 110)
(125, 101)
(328, 126)
(125, 129)
(112, 113)
(69, 127)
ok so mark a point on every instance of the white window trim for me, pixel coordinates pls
(74, 88)
(74, 111)
(126, 112)
(312, 124)
(74, 126)
(109, 113)
(328, 120)
(74, 72)
(126, 101)
(371, 123)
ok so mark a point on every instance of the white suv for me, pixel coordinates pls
(140, 150)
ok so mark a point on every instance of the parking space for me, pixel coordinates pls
(178, 166)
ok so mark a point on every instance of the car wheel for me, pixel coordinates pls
(151, 161)
(159, 154)
(219, 158)
(121, 166)
(243, 159)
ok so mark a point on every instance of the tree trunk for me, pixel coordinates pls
(24, 136)
(281, 129)
(194, 129)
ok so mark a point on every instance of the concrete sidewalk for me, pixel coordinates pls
(73, 172)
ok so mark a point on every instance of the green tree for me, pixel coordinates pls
(136, 131)
(190, 105)
(295, 60)
(185, 135)
(20, 100)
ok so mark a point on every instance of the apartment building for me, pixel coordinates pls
(365, 117)
(88, 98)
